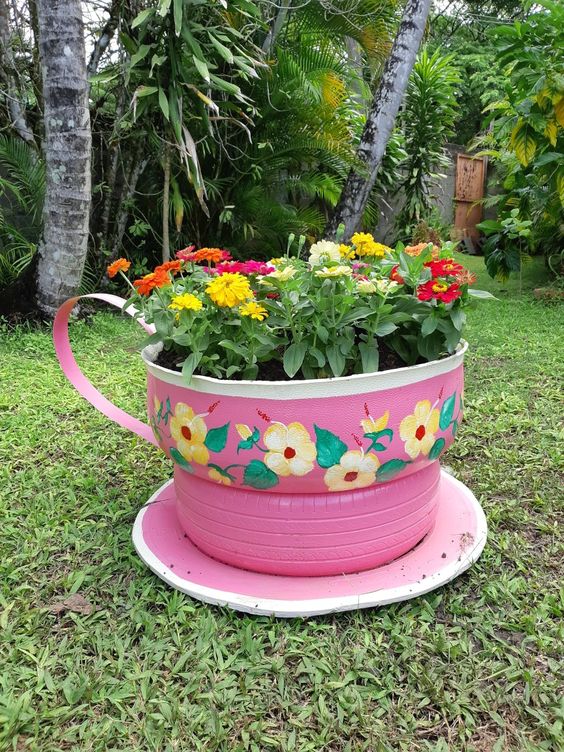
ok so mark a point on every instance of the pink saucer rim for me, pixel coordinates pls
(287, 608)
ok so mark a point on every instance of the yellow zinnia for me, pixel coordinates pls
(229, 289)
(254, 310)
(189, 431)
(185, 302)
(365, 286)
(346, 252)
(418, 430)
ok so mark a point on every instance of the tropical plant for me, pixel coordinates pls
(427, 120)
(22, 192)
(507, 243)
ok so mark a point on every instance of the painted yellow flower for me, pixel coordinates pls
(346, 252)
(366, 287)
(186, 302)
(243, 430)
(334, 271)
(370, 425)
(290, 449)
(214, 474)
(229, 289)
(355, 470)
(323, 251)
(418, 430)
(189, 431)
(254, 310)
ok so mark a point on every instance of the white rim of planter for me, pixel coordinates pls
(358, 383)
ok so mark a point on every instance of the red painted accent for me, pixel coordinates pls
(420, 433)
(289, 453)
(349, 477)
(186, 432)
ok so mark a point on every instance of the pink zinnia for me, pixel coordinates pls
(186, 253)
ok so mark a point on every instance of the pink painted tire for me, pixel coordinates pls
(302, 478)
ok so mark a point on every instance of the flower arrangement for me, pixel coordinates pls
(333, 313)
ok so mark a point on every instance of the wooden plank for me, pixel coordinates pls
(469, 187)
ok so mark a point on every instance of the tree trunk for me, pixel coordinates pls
(277, 24)
(381, 119)
(63, 247)
(8, 74)
(166, 204)
(104, 39)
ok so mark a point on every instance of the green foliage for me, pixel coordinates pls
(527, 138)
(506, 244)
(475, 665)
(426, 120)
(22, 192)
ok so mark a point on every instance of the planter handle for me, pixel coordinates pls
(79, 380)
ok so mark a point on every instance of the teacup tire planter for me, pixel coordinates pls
(301, 497)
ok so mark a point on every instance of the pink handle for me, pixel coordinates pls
(79, 380)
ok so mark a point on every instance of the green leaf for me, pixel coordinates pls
(145, 91)
(202, 68)
(163, 102)
(458, 318)
(386, 327)
(329, 447)
(141, 17)
(180, 461)
(447, 411)
(454, 427)
(355, 314)
(294, 357)
(436, 449)
(258, 475)
(429, 325)
(178, 13)
(142, 52)
(164, 7)
(250, 441)
(481, 294)
(216, 438)
(190, 365)
(369, 356)
(489, 226)
(375, 437)
(390, 469)
(225, 53)
(336, 360)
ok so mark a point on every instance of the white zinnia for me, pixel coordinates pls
(323, 251)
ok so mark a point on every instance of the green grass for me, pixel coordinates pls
(472, 666)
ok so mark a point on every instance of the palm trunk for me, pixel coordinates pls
(63, 247)
(381, 119)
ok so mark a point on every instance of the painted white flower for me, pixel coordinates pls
(355, 470)
(324, 251)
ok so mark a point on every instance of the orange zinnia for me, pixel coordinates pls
(168, 266)
(466, 277)
(146, 284)
(121, 265)
(209, 254)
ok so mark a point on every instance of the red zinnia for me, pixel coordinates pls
(395, 276)
(444, 267)
(436, 289)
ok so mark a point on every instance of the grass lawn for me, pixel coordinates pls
(473, 666)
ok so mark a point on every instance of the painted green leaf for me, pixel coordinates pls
(390, 469)
(374, 436)
(221, 471)
(436, 449)
(447, 411)
(258, 475)
(250, 441)
(179, 459)
(329, 447)
(216, 438)
(156, 431)
(454, 427)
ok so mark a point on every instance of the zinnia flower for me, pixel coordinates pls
(418, 430)
(365, 286)
(186, 302)
(347, 252)
(437, 289)
(444, 267)
(466, 277)
(323, 251)
(228, 290)
(186, 253)
(355, 470)
(283, 275)
(245, 267)
(386, 285)
(120, 265)
(395, 276)
(213, 255)
(290, 449)
(254, 310)
(334, 271)
(149, 282)
(169, 266)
